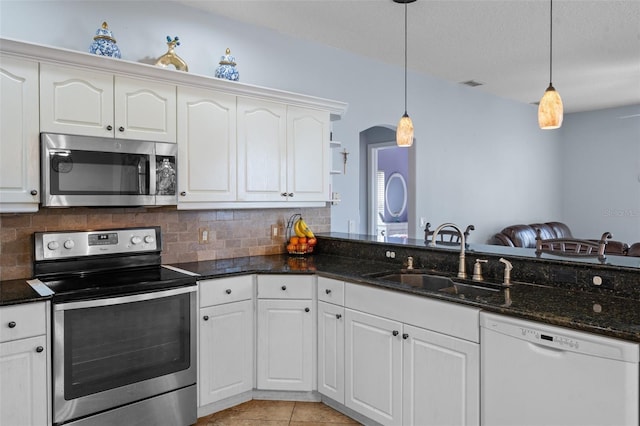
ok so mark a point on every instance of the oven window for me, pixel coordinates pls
(111, 346)
(99, 173)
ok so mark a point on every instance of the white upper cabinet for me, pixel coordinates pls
(308, 154)
(19, 136)
(206, 146)
(95, 103)
(282, 152)
(262, 150)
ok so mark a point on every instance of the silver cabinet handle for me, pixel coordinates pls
(39, 349)
(284, 287)
(121, 128)
(34, 192)
(228, 291)
(328, 291)
(109, 127)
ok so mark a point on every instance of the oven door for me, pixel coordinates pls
(112, 352)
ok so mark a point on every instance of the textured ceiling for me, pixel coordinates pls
(501, 43)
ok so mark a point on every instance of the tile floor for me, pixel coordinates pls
(277, 413)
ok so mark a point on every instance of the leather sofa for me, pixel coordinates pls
(525, 236)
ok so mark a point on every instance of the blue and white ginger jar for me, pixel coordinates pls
(104, 44)
(227, 68)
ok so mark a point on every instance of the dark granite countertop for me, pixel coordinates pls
(591, 312)
(18, 291)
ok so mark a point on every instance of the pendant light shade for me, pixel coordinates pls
(404, 132)
(550, 110)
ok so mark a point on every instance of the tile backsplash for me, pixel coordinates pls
(232, 233)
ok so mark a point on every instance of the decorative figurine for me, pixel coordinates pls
(170, 58)
(166, 178)
(227, 68)
(104, 44)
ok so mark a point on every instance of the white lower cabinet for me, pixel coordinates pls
(226, 338)
(331, 351)
(440, 379)
(373, 385)
(286, 336)
(397, 373)
(24, 365)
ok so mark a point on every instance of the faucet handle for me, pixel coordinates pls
(507, 270)
(477, 270)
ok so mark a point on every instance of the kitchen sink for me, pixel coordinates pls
(423, 281)
(432, 281)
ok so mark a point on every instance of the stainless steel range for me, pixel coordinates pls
(124, 329)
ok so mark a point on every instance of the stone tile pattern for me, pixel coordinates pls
(232, 233)
(277, 413)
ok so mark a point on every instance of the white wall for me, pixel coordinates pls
(479, 159)
(601, 153)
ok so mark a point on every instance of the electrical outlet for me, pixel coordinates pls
(602, 281)
(275, 231)
(203, 235)
(423, 222)
(352, 226)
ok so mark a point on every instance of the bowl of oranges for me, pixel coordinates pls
(301, 245)
(300, 238)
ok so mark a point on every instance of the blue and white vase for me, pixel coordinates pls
(104, 44)
(227, 68)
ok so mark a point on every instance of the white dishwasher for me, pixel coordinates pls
(537, 374)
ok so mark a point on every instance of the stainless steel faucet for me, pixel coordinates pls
(461, 267)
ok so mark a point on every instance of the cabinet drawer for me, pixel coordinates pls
(225, 290)
(285, 286)
(331, 291)
(20, 321)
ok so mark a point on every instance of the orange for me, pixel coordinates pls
(302, 240)
(312, 241)
(294, 240)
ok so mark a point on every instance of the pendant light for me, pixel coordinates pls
(404, 132)
(550, 110)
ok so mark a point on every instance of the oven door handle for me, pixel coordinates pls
(124, 299)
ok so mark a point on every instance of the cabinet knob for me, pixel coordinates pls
(328, 291)
(338, 316)
(34, 192)
(307, 309)
(228, 291)
(290, 194)
(405, 336)
(395, 332)
(12, 324)
(206, 317)
(109, 127)
(284, 194)
(39, 349)
(121, 129)
(183, 194)
(284, 287)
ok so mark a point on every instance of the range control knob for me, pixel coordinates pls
(136, 240)
(53, 245)
(149, 239)
(69, 244)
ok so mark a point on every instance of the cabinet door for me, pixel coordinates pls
(19, 136)
(262, 150)
(23, 390)
(441, 379)
(307, 154)
(285, 339)
(226, 351)
(331, 351)
(76, 101)
(206, 145)
(373, 367)
(145, 110)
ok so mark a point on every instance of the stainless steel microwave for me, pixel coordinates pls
(95, 171)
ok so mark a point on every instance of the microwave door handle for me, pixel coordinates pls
(60, 152)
